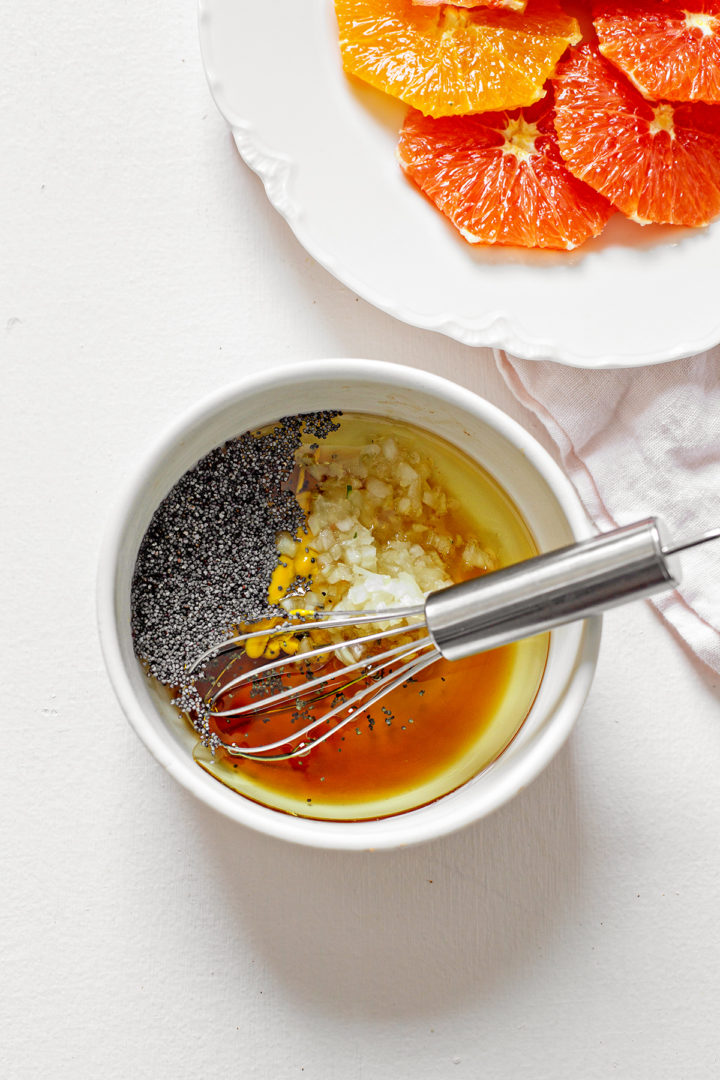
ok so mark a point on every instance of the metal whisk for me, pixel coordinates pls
(522, 600)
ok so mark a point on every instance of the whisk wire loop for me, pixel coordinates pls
(377, 690)
(311, 686)
(338, 620)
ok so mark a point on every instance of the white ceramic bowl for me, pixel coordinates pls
(543, 494)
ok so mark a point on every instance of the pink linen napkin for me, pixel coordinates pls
(640, 442)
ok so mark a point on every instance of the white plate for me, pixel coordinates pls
(324, 147)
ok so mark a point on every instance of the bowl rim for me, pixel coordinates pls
(369, 834)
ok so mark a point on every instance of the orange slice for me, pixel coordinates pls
(511, 5)
(500, 178)
(446, 60)
(655, 161)
(666, 49)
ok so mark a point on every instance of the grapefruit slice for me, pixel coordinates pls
(446, 60)
(666, 49)
(500, 179)
(654, 160)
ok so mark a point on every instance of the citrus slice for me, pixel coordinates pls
(446, 60)
(654, 160)
(666, 49)
(511, 5)
(500, 179)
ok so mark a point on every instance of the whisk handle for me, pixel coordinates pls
(552, 589)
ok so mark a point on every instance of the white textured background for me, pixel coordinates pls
(572, 935)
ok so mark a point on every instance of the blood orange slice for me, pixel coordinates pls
(666, 49)
(447, 60)
(500, 179)
(654, 160)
